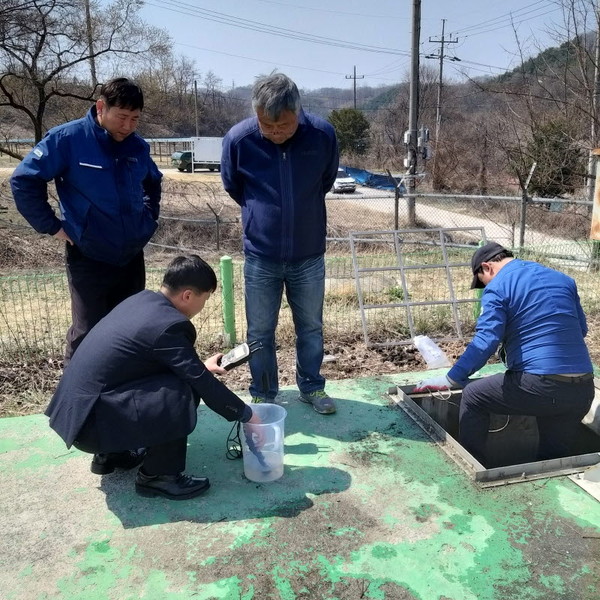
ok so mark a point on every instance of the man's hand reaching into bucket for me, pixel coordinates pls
(435, 384)
(256, 434)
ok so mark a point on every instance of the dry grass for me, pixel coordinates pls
(568, 221)
(34, 313)
(27, 385)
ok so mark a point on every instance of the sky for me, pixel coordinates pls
(240, 39)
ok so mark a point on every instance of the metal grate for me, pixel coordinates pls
(407, 254)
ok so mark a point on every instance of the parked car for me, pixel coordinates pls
(343, 183)
(182, 160)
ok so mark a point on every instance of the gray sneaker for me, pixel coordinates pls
(320, 401)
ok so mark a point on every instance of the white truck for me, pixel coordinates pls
(199, 153)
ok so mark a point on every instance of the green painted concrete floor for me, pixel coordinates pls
(368, 507)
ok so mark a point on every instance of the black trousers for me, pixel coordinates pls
(96, 288)
(558, 407)
(167, 458)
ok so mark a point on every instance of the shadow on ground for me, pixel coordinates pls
(346, 438)
(368, 507)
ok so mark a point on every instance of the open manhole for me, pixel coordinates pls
(512, 441)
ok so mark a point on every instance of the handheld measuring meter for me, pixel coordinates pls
(239, 355)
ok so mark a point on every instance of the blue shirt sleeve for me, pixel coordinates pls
(489, 332)
(580, 313)
(29, 183)
(229, 175)
(330, 172)
(152, 189)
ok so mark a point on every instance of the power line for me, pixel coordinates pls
(390, 68)
(225, 19)
(507, 23)
(257, 59)
(180, 7)
(509, 15)
(441, 56)
(438, 111)
(335, 12)
(374, 75)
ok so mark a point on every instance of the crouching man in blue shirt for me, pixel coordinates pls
(536, 314)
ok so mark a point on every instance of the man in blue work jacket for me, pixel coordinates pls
(278, 166)
(109, 192)
(536, 314)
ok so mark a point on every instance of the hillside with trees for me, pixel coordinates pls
(55, 53)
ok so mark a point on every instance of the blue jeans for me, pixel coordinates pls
(304, 283)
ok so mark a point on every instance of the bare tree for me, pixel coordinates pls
(45, 50)
(218, 111)
(558, 90)
(168, 85)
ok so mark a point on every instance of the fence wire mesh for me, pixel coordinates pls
(198, 216)
(35, 308)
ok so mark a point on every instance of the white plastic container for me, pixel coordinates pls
(264, 463)
(432, 354)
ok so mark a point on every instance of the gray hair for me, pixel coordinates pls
(274, 94)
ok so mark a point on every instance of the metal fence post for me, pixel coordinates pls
(523, 220)
(228, 300)
(217, 226)
(396, 199)
(524, 200)
(478, 294)
(595, 227)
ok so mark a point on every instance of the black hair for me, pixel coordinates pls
(123, 93)
(501, 256)
(190, 271)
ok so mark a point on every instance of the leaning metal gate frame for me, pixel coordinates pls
(429, 236)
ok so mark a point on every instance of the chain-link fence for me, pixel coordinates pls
(198, 216)
(507, 219)
(35, 310)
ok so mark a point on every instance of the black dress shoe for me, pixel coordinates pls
(103, 464)
(174, 487)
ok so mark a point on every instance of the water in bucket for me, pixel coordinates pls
(264, 463)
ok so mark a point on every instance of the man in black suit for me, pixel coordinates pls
(136, 381)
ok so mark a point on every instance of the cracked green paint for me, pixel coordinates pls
(253, 532)
(438, 532)
(346, 531)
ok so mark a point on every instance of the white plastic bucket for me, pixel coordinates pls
(265, 463)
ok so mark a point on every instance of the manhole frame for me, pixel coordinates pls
(495, 476)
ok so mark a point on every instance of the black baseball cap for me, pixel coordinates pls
(484, 254)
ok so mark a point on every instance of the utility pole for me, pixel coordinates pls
(595, 110)
(438, 111)
(413, 112)
(355, 77)
(90, 41)
(441, 56)
(196, 105)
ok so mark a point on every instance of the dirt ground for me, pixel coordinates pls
(26, 386)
